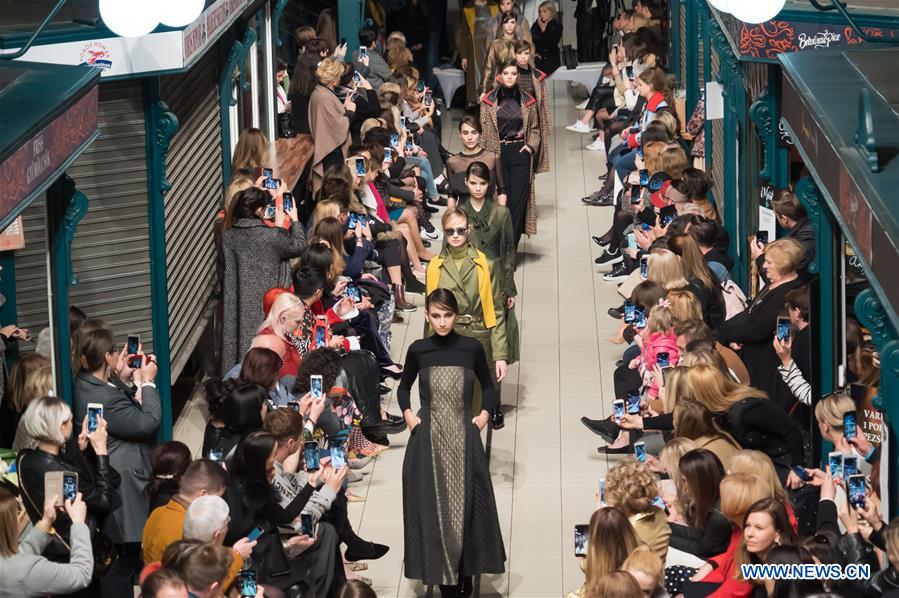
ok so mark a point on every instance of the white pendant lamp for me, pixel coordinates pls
(178, 13)
(756, 11)
(129, 18)
(721, 5)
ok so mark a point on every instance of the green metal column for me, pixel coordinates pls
(234, 61)
(871, 313)
(161, 126)
(676, 41)
(65, 207)
(689, 78)
(765, 114)
(349, 20)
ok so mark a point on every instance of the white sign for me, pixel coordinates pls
(153, 53)
(714, 100)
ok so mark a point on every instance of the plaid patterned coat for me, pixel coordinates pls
(490, 141)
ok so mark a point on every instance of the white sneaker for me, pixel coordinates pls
(580, 127)
(582, 105)
(597, 146)
(433, 236)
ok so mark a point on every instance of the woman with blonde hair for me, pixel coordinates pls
(611, 538)
(277, 331)
(546, 33)
(703, 281)
(665, 268)
(241, 180)
(27, 381)
(750, 418)
(251, 152)
(326, 208)
(618, 584)
(329, 120)
(632, 488)
(694, 422)
(646, 568)
(685, 307)
(674, 160)
(669, 458)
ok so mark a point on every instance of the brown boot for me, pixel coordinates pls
(400, 299)
(397, 318)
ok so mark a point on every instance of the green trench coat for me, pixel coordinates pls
(491, 232)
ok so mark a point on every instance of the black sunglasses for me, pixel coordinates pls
(452, 232)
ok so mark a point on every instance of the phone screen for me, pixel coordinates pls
(640, 451)
(410, 147)
(360, 166)
(801, 472)
(657, 501)
(644, 267)
(254, 535)
(402, 122)
(783, 329)
(850, 429)
(268, 173)
(630, 72)
(428, 99)
(835, 460)
(287, 202)
(93, 417)
(306, 525)
(667, 214)
(644, 177)
(633, 403)
(618, 409)
(580, 540)
(640, 155)
(850, 465)
(394, 139)
(338, 457)
(216, 455)
(269, 213)
(629, 312)
(69, 486)
(315, 386)
(388, 154)
(271, 183)
(636, 196)
(354, 293)
(421, 86)
(248, 582)
(311, 455)
(362, 51)
(319, 336)
(855, 489)
(762, 236)
(663, 359)
(640, 317)
(133, 348)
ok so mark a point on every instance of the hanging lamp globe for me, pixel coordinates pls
(129, 18)
(756, 11)
(178, 13)
(721, 5)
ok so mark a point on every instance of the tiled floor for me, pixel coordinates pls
(544, 462)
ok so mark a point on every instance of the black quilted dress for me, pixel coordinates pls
(449, 511)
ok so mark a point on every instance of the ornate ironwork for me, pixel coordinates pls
(166, 126)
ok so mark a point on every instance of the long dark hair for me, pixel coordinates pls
(241, 408)
(793, 555)
(303, 80)
(702, 473)
(170, 461)
(251, 455)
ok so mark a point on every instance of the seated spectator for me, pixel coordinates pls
(170, 461)
(277, 332)
(243, 410)
(203, 567)
(703, 282)
(618, 584)
(207, 521)
(163, 584)
(760, 465)
(165, 525)
(23, 571)
(648, 571)
(611, 538)
(263, 367)
(697, 331)
(703, 530)
(632, 489)
(695, 422)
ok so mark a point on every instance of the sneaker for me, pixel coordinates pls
(620, 272)
(426, 234)
(580, 127)
(599, 199)
(582, 105)
(609, 258)
(600, 241)
(598, 145)
(616, 312)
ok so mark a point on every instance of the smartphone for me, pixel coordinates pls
(602, 491)
(421, 85)
(133, 348)
(629, 70)
(640, 317)
(353, 292)
(352, 220)
(338, 457)
(801, 472)
(428, 99)
(272, 183)
(319, 336)
(410, 147)
(363, 51)
(667, 214)
(254, 535)
(655, 183)
(855, 490)
(618, 409)
(783, 329)
(644, 177)
(402, 122)
(580, 539)
(644, 267)
(640, 155)
(632, 241)
(636, 195)
(633, 403)
(53, 486)
(315, 386)
(850, 465)
(835, 460)
(628, 311)
(287, 202)
(640, 451)
(216, 455)
(69, 485)
(357, 77)
(363, 220)
(388, 154)
(307, 525)
(247, 579)
(657, 501)
(762, 237)
(311, 455)
(663, 359)
(268, 173)
(94, 414)
(645, 226)
(394, 139)
(850, 427)
(269, 213)
(294, 405)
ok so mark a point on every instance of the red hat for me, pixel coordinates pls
(658, 198)
(269, 298)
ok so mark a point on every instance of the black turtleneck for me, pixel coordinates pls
(509, 122)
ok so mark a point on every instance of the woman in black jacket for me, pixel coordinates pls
(242, 410)
(703, 282)
(705, 531)
(752, 331)
(546, 33)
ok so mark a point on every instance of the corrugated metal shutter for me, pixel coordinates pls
(194, 169)
(700, 49)
(110, 252)
(684, 42)
(717, 142)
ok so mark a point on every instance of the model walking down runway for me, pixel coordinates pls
(451, 526)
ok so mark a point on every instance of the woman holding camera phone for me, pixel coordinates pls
(449, 510)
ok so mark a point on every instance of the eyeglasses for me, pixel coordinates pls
(452, 232)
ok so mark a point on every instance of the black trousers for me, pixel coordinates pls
(601, 97)
(516, 165)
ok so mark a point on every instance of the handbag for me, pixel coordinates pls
(104, 550)
(569, 57)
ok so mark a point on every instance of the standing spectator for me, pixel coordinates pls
(329, 120)
(547, 34)
(31, 377)
(300, 93)
(792, 216)
(795, 353)
(255, 258)
(251, 152)
(378, 71)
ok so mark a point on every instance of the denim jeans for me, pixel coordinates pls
(426, 174)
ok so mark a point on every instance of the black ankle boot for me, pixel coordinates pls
(497, 419)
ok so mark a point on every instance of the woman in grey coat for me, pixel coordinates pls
(254, 258)
(23, 571)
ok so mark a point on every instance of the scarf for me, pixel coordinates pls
(480, 220)
(485, 290)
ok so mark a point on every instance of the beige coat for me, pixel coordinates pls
(330, 130)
